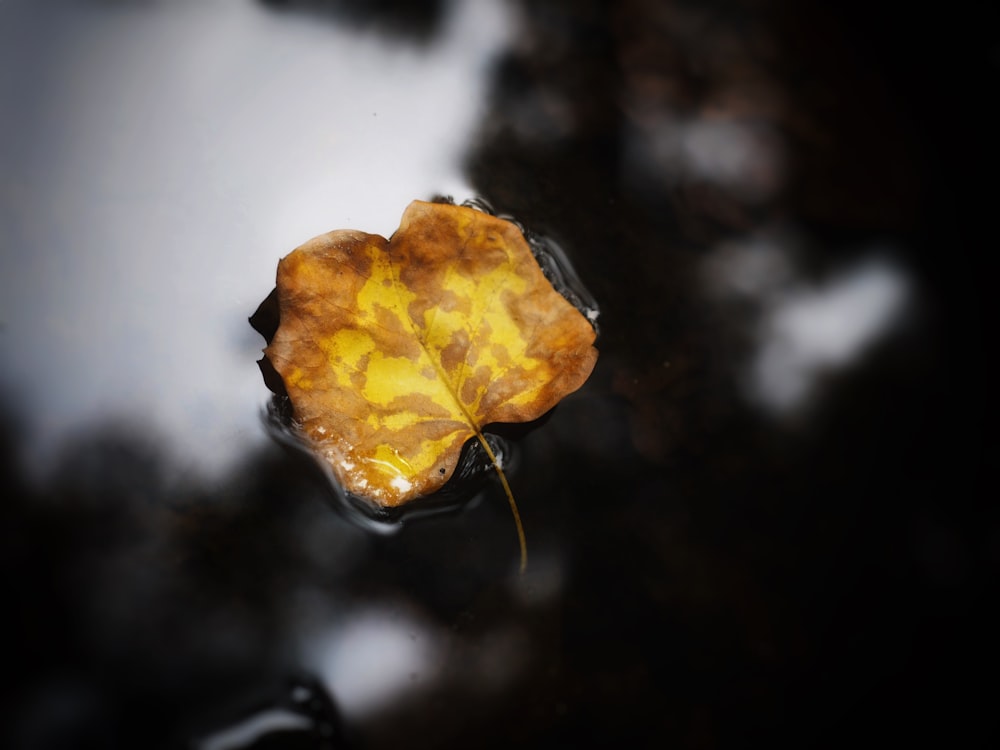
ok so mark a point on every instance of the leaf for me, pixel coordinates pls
(395, 353)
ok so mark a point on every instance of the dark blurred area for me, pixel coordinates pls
(404, 20)
(718, 561)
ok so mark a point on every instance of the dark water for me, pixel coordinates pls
(762, 519)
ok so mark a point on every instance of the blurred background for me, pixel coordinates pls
(763, 519)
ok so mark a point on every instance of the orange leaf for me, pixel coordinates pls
(395, 353)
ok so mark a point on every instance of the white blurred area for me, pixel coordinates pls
(374, 658)
(806, 333)
(811, 332)
(378, 656)
(744, 157)
(157, 161)
(251, 730)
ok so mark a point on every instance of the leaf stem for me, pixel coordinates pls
(510, 499)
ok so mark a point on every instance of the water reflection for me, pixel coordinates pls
(805, 332)
(744, 158)
(165, 157)
(249, 731)
(810, 333)
(374, 657)
(298, 713)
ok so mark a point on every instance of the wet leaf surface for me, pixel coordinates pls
(396, 352)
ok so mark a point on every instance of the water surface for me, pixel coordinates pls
(757, 522)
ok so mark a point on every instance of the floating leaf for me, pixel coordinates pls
(395, 353)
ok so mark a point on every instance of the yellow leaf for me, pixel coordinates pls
(395, 353)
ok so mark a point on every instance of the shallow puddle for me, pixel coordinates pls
(755, 522)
